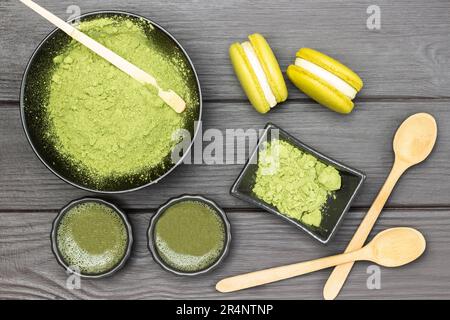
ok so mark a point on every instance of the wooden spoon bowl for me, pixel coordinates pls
(396, 247)
(415, 139)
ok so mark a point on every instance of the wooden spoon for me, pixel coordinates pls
(390, 248)
(413, 142)
(169, 96)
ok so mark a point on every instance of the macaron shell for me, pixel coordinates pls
(332, 65)
(270, 66)
(319, 90)
(248, 79)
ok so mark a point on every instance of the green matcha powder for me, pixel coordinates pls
(103, 121)
(296, 183)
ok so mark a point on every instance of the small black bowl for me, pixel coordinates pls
(34, 95)
(334, 209)
(162, 209)
(58, 255)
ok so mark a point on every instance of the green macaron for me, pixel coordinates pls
(325, 80)
(258, 72)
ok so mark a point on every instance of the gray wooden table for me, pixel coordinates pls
(406, 69)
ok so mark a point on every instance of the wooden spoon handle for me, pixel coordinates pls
(170, 97)
(340, 273)
(261, 277)
(93, 45)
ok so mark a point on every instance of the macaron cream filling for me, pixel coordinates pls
(260, 75)
(327, 76)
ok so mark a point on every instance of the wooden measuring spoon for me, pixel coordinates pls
(413, 142)
(390, 248)
(168, 96)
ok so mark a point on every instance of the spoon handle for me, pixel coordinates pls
(339, 274)
(96, 47)
(169, 97)
(261, 277)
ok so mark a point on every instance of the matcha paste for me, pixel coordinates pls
(103, 121)
(92, 237)
(190, 236)
(299, 184)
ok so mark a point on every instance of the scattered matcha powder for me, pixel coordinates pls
(102, 120)
(296, 183)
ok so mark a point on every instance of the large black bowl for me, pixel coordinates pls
(34, 94)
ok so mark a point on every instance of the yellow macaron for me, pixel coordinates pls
(258, 72)
(325, 80)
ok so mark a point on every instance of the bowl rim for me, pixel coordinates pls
(186, 197)
(259, 203)
(22, 102)
(62, 213)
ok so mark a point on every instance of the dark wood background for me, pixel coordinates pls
(406, 69)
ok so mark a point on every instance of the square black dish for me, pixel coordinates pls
(336, 206)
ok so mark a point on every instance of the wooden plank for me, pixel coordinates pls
(260, 240)
(362, 140)
(407, 57)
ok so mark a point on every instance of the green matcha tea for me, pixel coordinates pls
(295, 182)
(92, 237)
(190, 236)
(103, 122)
